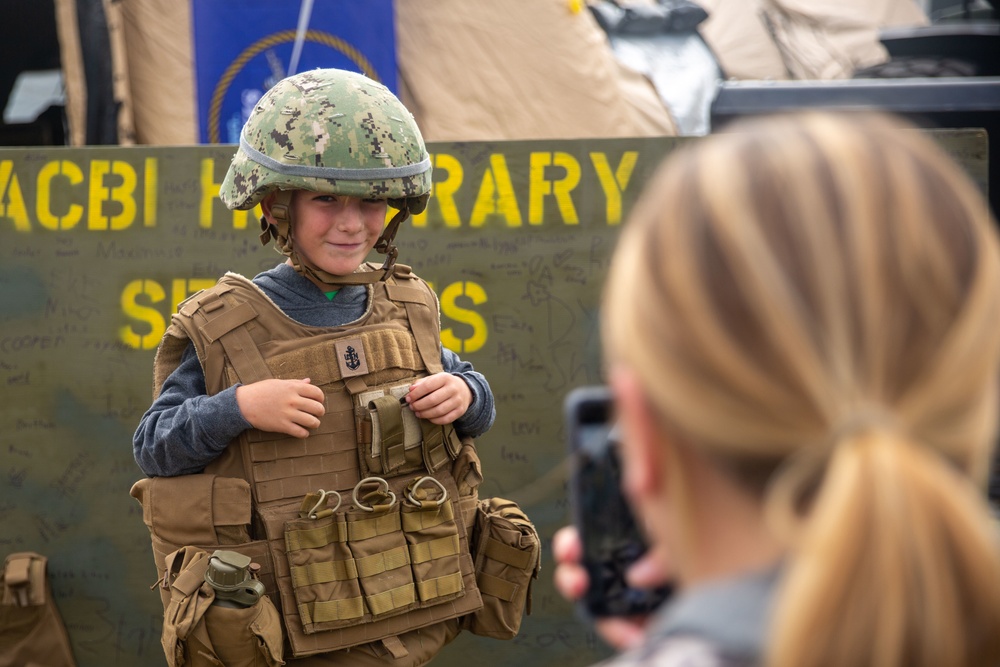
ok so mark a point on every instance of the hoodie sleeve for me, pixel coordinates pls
(185, 429)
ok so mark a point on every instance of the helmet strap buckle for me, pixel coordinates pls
(267, 231)
(390, 261)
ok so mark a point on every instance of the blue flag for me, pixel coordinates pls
(243, 48)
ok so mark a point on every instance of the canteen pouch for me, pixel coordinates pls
(198, 633)
(507, 554)
(203, 510)
(31, 630)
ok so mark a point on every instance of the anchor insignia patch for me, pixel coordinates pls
(351, 357)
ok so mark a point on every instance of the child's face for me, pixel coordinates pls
(335, 233)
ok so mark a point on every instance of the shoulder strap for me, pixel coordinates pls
(217, 318)
(223, 321)
(422, 310)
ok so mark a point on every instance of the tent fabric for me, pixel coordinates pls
(802, 39)
(91, 47)
(518, 69)
(161, 70)
(120, 85)
(826, 39)
(739, 37)
(71, 56)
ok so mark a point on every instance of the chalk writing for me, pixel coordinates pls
(34, 424)
(30, 343)
(16, 477)
(76, 471)
(511, 456)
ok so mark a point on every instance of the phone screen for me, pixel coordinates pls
(611, 538)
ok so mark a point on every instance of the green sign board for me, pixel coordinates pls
(100, 244)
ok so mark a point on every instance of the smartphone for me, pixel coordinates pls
(611, 538)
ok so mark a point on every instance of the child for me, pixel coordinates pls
(290, 379)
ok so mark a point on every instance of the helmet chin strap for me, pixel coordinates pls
(281, 233)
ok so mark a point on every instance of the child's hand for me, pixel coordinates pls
(440, 398)
(282, 406)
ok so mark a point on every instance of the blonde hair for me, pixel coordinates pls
(813, 301)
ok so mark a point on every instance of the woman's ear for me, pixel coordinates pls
(642, 443)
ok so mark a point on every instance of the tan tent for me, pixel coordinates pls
(505, 69)
(520, 69)
(830, 39)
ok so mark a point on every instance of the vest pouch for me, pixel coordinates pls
(246, 637)
(389, 434)
(375, 537)
(205, 511)
(507, 553)
(31, 630)
(195, 509)
(432, 538)
(198, 631)
(439, 445)
(323, 571)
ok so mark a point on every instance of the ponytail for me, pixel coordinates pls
(896, 564)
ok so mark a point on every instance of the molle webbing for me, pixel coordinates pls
(508, 555)
(351, 576)
(286, 468)
(383, 348)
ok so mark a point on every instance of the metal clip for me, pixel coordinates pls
(418, 483)
(314, 505)
(315, 512)
(383, 490)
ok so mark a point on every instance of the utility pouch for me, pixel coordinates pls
(31, 630)
(507, 553)
(389, 434)
(323, 571)
(428, 518)
(375, 536)
(199, 632)
(393, 441)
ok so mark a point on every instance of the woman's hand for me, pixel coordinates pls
(571, 581)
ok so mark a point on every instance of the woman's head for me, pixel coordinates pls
(807, 275)
(812, 302)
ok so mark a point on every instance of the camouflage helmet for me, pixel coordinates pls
(331, 131)
(335, 132)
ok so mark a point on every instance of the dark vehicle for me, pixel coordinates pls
(944, 75)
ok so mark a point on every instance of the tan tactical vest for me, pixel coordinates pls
(362, 529)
